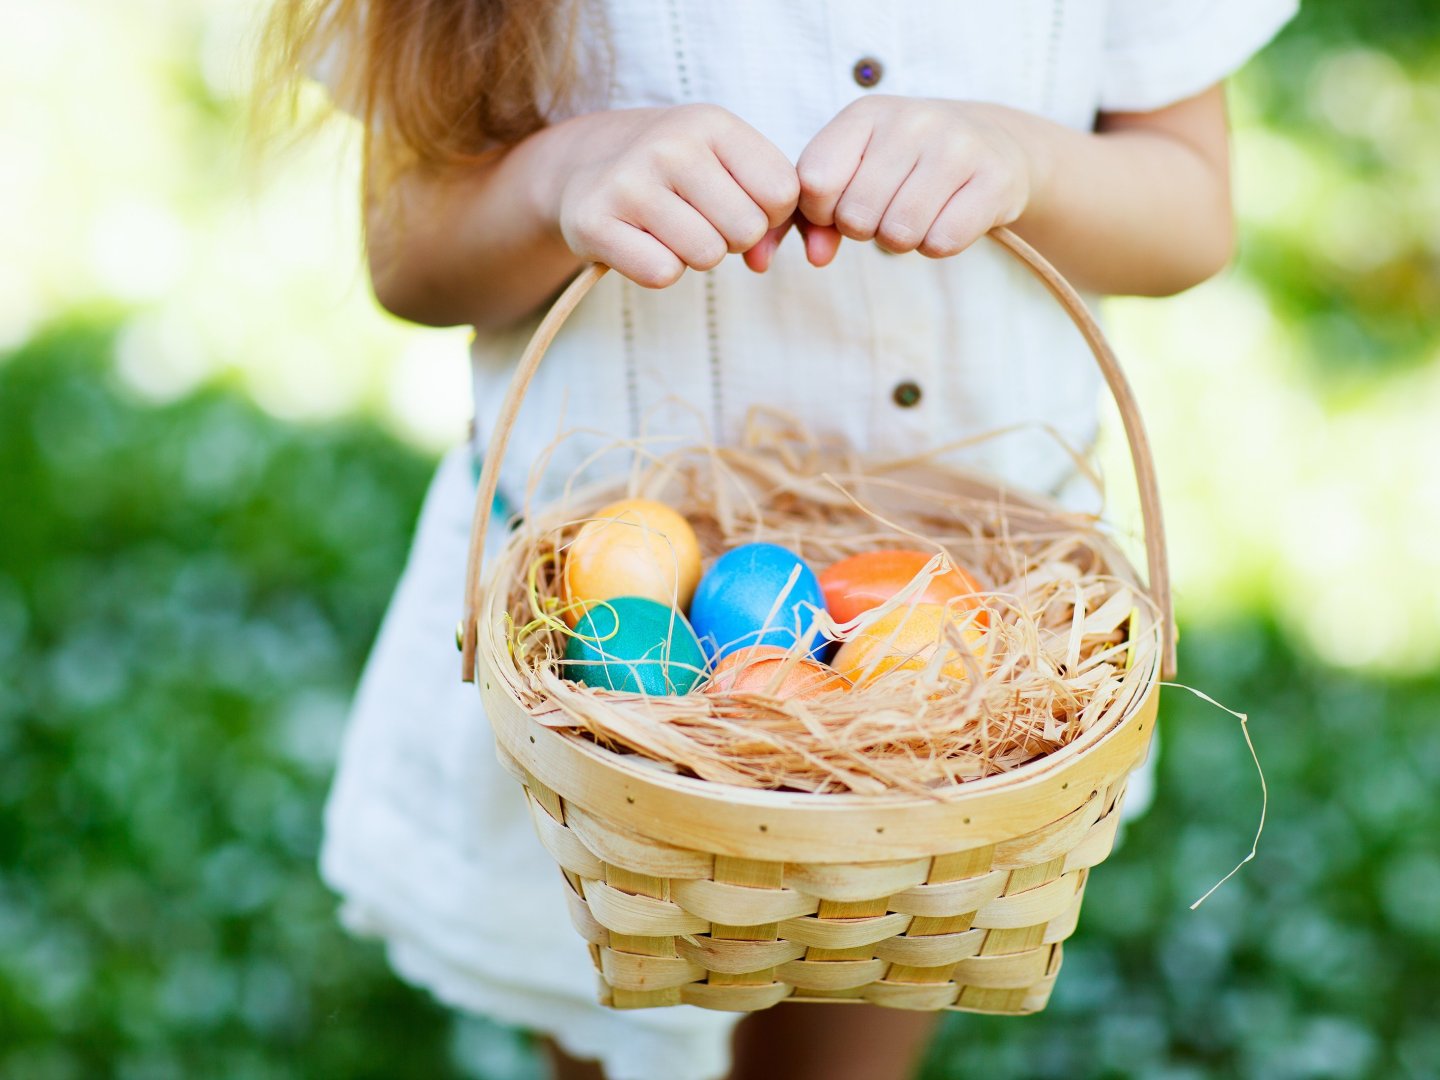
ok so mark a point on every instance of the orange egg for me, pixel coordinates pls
(752, 671)
(861, 582)
(635, 547)
(906, 640)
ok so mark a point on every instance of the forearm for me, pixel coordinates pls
(1134, 208)
(480, 247)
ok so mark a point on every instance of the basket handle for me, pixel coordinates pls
(1064, 293)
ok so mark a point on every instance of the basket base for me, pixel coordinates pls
(986, 941)
(975, 930)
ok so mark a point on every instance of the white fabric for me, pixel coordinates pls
(426, 839)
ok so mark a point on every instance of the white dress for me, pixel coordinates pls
(427, 840)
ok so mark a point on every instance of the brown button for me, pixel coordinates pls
(906, 394)
(867, 71)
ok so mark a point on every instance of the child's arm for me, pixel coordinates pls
(648, 191)
(1141, 206)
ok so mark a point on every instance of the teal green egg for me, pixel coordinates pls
(636, 646)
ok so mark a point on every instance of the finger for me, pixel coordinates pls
(918, 204)
(828, 164)
(821, 242)
(683, 229)
(758, 257)
(761, 170)
(730, 210)
(969, 214)
(638, 255)
(884, 168)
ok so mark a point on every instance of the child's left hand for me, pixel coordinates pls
(911, 174)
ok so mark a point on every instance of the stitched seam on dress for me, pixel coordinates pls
(1052, 55)
(682, 69)
(712, 323)
(632, 372)
(712, 336)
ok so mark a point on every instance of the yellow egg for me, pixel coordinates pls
(906, 640)
(635, 547)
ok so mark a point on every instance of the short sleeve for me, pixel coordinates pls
(1158, 52)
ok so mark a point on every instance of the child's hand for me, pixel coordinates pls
(657, 190)
(912, 174)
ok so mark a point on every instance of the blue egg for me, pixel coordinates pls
(634, 645)
(757, 594)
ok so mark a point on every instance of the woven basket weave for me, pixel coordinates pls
(691, 892)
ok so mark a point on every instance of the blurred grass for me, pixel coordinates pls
(182, 617)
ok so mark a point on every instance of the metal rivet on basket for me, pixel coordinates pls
(965, 820)
(1065, 785)
(532, 738)
(879, 828)
(630, 799)
(764, 828)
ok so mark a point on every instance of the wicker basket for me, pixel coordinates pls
(705, 894)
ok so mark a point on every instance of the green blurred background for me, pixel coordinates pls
(188, 355)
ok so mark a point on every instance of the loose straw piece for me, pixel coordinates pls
(1244, 719)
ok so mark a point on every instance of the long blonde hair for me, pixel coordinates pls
(435, 82)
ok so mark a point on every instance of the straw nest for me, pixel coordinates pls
(1071, 633)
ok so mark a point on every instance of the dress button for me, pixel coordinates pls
(867, 71)
(906, 394)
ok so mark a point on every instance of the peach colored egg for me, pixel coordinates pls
(752, 671)
(855, 585)
(635, 547)
(906, 640)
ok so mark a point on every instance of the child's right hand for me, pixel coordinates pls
(652, 191)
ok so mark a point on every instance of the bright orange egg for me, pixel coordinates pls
(752, 670)
(635, 547)
(861, 582)
(906, 640)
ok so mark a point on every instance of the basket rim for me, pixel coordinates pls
(553, 755)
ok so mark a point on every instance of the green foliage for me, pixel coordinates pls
(186, 594)
(1349, 97)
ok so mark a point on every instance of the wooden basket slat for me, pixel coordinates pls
(951, 897)
(843, 933)
(1038, 905)
(631, 971)
(623, 913)
(931, 950)
(738, 905)
(613, 843)
(856, 881)
(830, 974)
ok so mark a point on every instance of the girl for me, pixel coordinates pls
(511, 141)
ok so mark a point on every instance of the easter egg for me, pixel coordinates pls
(635, 547)
(633, 644)
(756, 594)
(754, 671)
(855, 585)
(906, 639)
